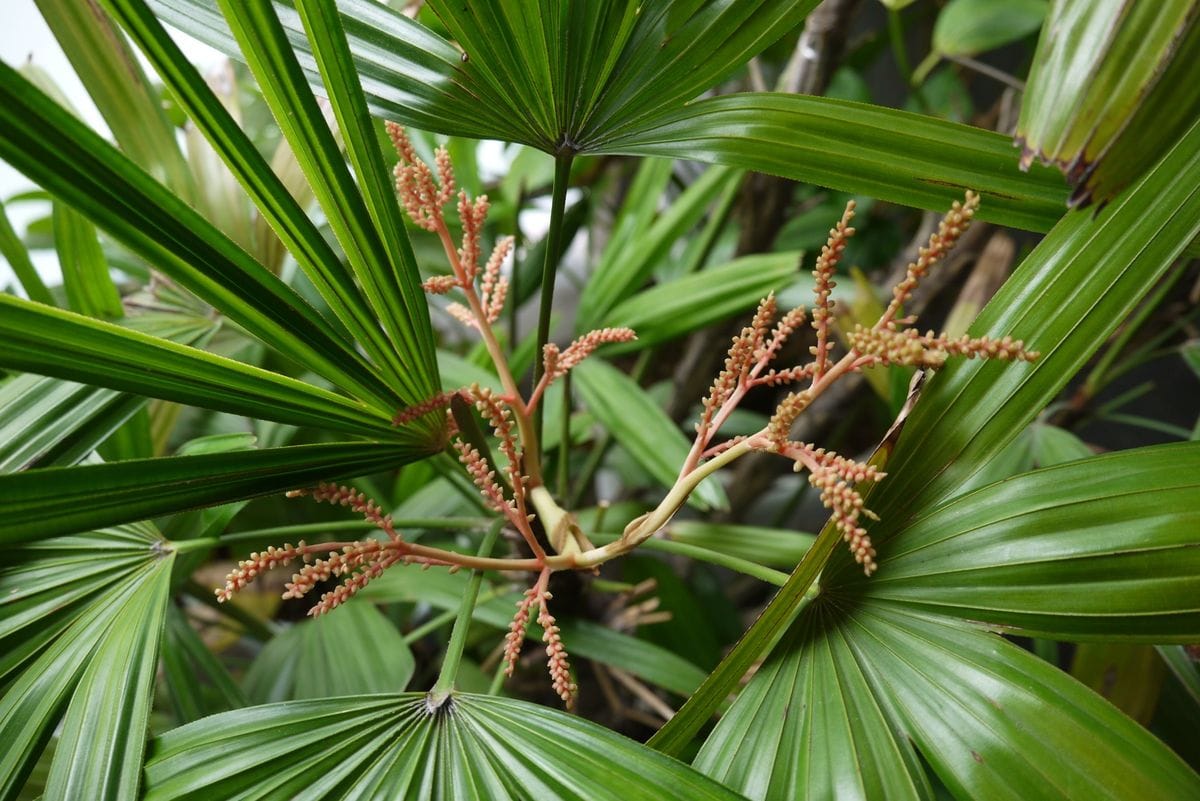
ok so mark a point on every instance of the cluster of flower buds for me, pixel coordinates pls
(910, 347)
(258, 563)
(823, 286)
(356, 563)
(838, 478)
(424, 200)
(750, 354)
(558, 662)
(887, 342)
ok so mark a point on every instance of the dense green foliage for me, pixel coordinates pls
(241, 314)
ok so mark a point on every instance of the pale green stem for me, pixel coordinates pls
(737, 564)
(646, 526)
(498, 679)
(414, 523)
(800, 590)
(458, 637)
(558, 206)
(450, 615)
(899, 48)
(187, 546)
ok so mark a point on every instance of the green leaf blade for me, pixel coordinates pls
(266, 48)
(640, 243)
(406, 312)
(272, 197)
(102, 743)
(968, 27)
(891, 691)
(115, 82)
(45, 340)
(57, 151)
(1104, 548)
(409, 73)
(354, 747)
(1110, 88)
(340, 653)
(677, 50)
(55, 501)
(769, 546)
(39, 413)
(196, 680)
(893, 155)
(641, 426)
(839, 742)
(89, 287)
(963, 695)
(1064, 300)
(64, 602)
(672, 309)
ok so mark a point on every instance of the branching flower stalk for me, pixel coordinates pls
(522, 497)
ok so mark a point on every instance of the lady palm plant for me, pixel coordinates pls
(885, 671)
